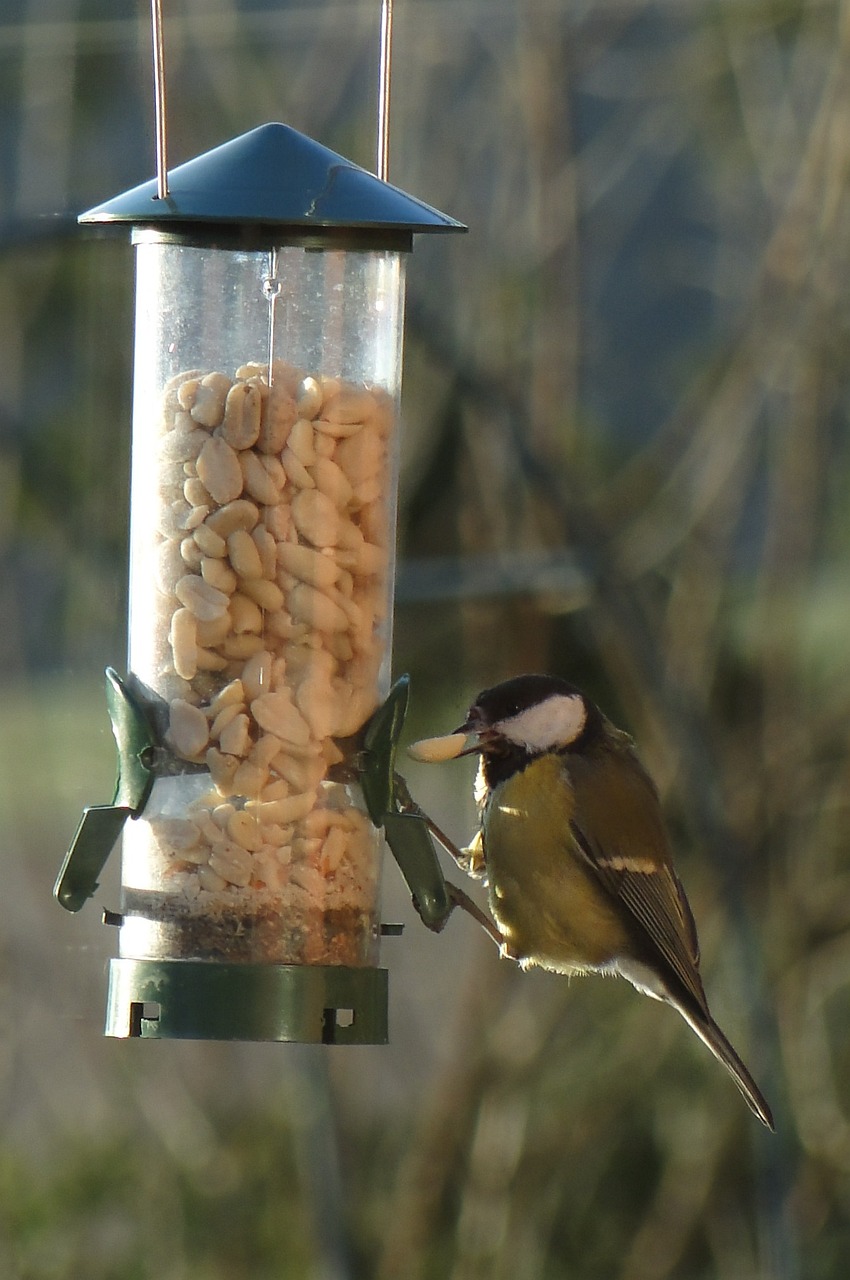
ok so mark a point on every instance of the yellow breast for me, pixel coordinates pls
(545, 898)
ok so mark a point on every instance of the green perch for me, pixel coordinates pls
(141, 756)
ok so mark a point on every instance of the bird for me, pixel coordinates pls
(575, 852)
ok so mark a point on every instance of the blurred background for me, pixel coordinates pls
(625, 461)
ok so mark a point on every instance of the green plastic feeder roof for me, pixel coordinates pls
(272, 176)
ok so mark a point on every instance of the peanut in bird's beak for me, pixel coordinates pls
(448, 747)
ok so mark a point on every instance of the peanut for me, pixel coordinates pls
(222, 769)
(360, 457)
(256, 675)
(224, 717)
(187, 390)
(216, 574)
(240, 647)
(213, 633)
(209, 880)
(267, 550)
(282, 812)
(232, 694)
(264, 593)
(234, 739)
(307, 564)
(265, 750)
(309, 398)
(300, 442)
(257, 482)
(241, 423)
(333, 849)
(209, 542)
(317, 610)
(244, 830)
(332, 481)
(249, 779)
(350, 407)
(239, 514)
(219, 470)
(206, 603)
(210, 661)
(195, 493)
(295, 470)
(184, 643)
(243, 554)
(232, 863)
(280, 414)
(208, 405)
(191, 553)
(245, 614)
(187, 728)
(316, 701)
(277, 714)
(183, 443)
(316, 517)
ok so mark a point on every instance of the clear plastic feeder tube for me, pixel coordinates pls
(264, 482)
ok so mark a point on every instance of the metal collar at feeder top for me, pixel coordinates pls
(269, 187)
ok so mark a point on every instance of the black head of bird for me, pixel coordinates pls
(576, 855)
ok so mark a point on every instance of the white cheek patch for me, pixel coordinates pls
(554, 723)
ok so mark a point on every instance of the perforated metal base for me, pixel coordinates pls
(199, 1000)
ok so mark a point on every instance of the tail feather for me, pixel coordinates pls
(714, 1039)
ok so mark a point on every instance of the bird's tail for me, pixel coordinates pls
(713, 1038)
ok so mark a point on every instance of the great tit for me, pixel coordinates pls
(575, 853)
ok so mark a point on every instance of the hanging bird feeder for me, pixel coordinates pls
(255, 743)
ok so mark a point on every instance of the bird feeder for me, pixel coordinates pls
(269, 315)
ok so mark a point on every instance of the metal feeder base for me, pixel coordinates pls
(201, 1000)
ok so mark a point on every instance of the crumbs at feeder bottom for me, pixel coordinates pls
(268, 934)
(270, 628)
(304, 899)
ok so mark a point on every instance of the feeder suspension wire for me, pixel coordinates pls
(159, 100)
(271, 288)
(384, 73)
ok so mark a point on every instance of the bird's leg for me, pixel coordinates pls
(458, 898)
(469, 860)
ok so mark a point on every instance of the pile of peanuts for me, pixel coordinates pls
(269, 626)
